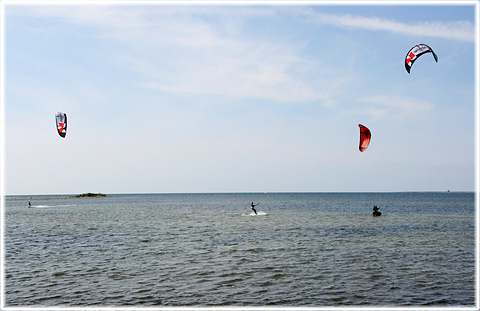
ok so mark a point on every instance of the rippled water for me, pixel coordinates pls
(310, 249)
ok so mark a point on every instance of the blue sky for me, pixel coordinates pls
(238, 98)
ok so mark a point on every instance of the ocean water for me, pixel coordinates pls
(305, 249)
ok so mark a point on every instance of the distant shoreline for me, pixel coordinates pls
(60, 197)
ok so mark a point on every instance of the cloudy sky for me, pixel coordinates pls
(237, 98)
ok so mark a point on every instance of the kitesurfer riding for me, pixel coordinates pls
(29, 204)
(375, 211)
(253, 207)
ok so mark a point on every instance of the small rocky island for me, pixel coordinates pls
(90, 195)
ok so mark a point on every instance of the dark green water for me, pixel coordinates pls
(310, 249)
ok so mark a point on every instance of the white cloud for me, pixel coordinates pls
(237, 76)
(202, 59)
(196, 56)
(139, 17)
(457, 30)
(396, 107)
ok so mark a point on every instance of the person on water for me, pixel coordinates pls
(375, 211)
(253, 207)
(29, 204)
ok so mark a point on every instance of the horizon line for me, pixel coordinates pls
(243, 192)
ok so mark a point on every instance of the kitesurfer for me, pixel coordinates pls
(29, 204)
(253, 207)
(375, 211)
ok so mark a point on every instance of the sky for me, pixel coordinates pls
(246, 97)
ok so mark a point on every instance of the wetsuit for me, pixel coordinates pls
(253, 205)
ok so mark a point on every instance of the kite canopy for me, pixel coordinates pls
(415, 52)
(364, 138)
(61, 120)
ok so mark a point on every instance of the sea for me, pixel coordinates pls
(211, 250)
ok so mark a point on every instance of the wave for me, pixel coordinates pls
(259, 213)
(45, 206)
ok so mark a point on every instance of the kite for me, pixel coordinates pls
(61, 120)
(415, 52)
(364, 138)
